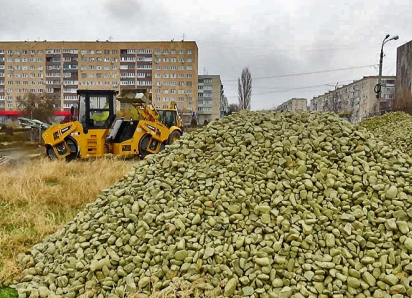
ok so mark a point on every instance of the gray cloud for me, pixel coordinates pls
(124, 10)
(271, 37)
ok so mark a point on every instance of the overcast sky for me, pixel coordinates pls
(270, 37)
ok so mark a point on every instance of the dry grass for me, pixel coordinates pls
(36, 198)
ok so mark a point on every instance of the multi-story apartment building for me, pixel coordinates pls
(294, 104)
(168, 69)
(358, 99)
(211, 98)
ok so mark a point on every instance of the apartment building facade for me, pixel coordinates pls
(294, 104)
(211, 98)
(168, 69)
(358, 99)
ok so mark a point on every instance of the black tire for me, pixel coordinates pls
(50, 153)
(74, 151)
(174, 136)
(143, 143)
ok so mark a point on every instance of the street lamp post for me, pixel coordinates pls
(378, 87)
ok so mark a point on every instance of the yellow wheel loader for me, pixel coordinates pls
(96, 133)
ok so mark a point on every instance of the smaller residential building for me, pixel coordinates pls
(294, 104)
(357, 100)
(211, 98)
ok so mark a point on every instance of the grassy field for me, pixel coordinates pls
(38, 197)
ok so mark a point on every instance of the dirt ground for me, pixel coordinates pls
(17, 152)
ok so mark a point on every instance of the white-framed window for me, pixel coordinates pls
(165, 75)
(165, 83)
(91, 52)
(189, 52)
(91, 67)
(166, 91)
(172, 83)
(39, 59)
(173, 67)
(158, 76)
(181, 91)
(189, 75)
(189, 67)
(158, 83)
(181, 52)
(173, 52)
(173, 76)
(181, 67)
(181, 75)
(165, 59)
(99, 52)
(165, 67)
(157, 67)
(165, 52)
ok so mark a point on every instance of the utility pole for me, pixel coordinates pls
(378, 87)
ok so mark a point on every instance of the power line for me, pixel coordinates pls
(307, 73)
(274, 89)
(286, 90)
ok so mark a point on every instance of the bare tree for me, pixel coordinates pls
(38, 106)
(233, 108)
(244, 85)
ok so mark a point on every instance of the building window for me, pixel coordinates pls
(114, 51)
(165, 59)
(165, 52)
(189, 67)
(157, 67)
(189, 75)
(181, 52)
(165, 67)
